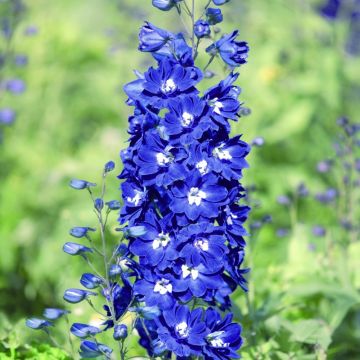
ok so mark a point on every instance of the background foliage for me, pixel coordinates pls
(304, 300)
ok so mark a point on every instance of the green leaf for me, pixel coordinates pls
(310, 331)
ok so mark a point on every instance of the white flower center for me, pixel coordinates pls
(162, 159)
(214, 339)
(217, 106)
(162, 240)
(202, 166)
(182, 329)
(163, 287)
(136, 199)
(187, 119)
(186, 271)
(195, 196)
(168, 86)
(229, 219)
(202, 244)
(221, 153)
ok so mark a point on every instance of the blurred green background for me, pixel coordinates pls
(72, 118)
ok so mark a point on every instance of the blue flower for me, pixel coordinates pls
(233, 218)
(81, 184)
(157, 242)
(224, 338)
(214, 16)
(121, 298)
(330, 9)
(153, 38)
(202, 243)
(156, 290)
(91, 281)
(113, 205)
(135, 197)
(38, 324)
(166, 82)
(15, 86)
(197, 280)
(202, 29)
(53, 314)
(80, 231)
(228, 158)
(84, 331)
(182, 331)
(223, 100)
(120, 332)
(234, 53)
(76, 249)
(91, 349)
(76, 295)
(159, 163)
(7, 116)
(198, 196)
(109, 166)
(165, 5)
(186, 119)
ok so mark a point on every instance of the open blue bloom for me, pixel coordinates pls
(80, 231)
(153, 38)
(198, 196)
(157, 242)
(223, 100)
(80, 184)
(84, 331)
(38, 324)
(135, 197)
(202, 243)
(76, 249)
(91, 281)
(224, 338)
(165, 5)
(228, 158)
(156, 290)
(182, 331)
(7, 116)
(168, 81)
(202, 29)
(53, 314)
(159, 163)
(91, 349)
(214, 16)
(196, 280)
(77, 295)
(186, 119)
(234, 53)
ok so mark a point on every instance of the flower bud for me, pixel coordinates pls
(120, 332)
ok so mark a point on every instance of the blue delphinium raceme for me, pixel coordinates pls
(182, 213)
(181, 183)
